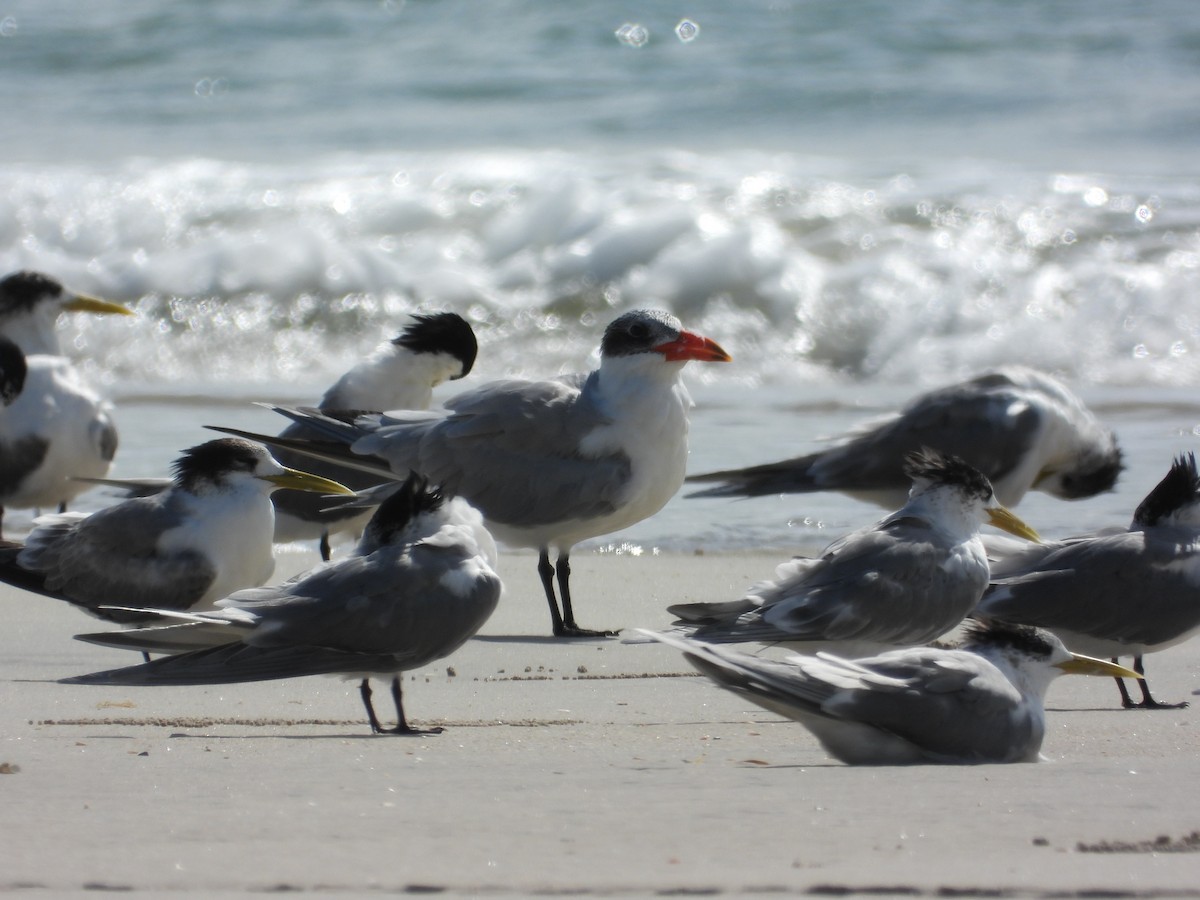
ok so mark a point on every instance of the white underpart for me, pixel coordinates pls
(647, 408)
(392, 377)
(56, 405)
(233, 527)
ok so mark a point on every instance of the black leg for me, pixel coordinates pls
(570, 628)
(364, 689)
(402, 726)
(324, 546)
(546, 571)
(1126, 700)
(1148, 702)
(62, 507)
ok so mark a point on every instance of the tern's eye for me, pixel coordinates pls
(639, 330)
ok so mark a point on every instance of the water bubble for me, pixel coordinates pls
(8, 26)
(1143, 214)
(210, 87)
(687, 30)
(1141, 351)
(1095, 196)
(632, 34)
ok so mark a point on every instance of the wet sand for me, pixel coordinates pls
(583, 768)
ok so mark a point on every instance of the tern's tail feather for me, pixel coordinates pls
(782, 687)
(331, 451)
(12, 573)
(174, 638)
(710, 613)
(789, 476)
(235, 663)
(131, 487)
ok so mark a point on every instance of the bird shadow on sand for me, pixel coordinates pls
(547, 639)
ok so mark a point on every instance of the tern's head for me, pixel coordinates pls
(445, 338)
(399, 512)
(1034, 655)
(226, 463)
(13, 370)
(1089, 471)
(953, 488)
(30, 303)
(1176, 499)
(651, 333)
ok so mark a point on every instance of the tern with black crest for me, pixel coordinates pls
(399, 374)
(206, 536)
(906, 580)
(979, 703)
(55, 429)
(1021, 428)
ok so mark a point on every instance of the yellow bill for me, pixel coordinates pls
(303, 481)
(1089, 665)
(84, 303)
(1006, 520)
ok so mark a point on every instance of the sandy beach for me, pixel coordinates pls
(583, 768)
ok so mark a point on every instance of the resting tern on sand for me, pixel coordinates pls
(980, 703)
(419, 584)
(52, 429)
(1021, 428)
(57, 428)
(399, 374)
(906, 580)
(1123, 593)
(548, 463)
(206, 536)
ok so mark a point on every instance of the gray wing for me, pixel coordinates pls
(954, 705)
(887, 584)
(235, 663)
(1131, 587)
(512, 449)
(980, 421)
(388, 612)
(393, 602)
(111, 558)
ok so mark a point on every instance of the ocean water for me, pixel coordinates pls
(860, 201)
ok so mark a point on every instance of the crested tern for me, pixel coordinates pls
(1123, 593)
(399, 374)
(906, 580)
(548, 463)
(979, 703)
(1021, 428)
(206, 536)
(420, 583)
(58, 429)
(54, 430)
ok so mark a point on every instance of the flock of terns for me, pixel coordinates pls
(181, 563)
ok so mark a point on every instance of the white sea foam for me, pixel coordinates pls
(255, 271)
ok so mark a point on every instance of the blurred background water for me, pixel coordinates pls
(860, 201)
